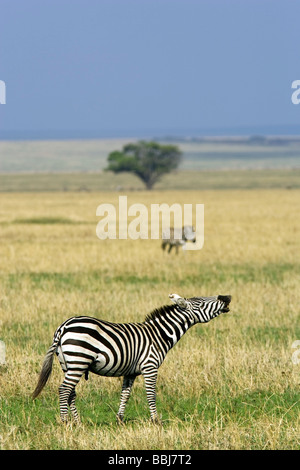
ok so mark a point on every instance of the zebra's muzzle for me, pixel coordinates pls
(226, 299)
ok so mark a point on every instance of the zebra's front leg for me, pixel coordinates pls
(125, 394)
(150, 377)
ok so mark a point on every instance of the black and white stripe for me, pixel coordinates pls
(85, 344)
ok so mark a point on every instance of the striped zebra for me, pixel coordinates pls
(85, 344)
(178, 237)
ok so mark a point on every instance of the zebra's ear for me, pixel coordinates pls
(178, 300)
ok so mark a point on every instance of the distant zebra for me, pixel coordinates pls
(178, 237)
(85, 344)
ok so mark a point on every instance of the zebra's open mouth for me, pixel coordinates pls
(225, 309)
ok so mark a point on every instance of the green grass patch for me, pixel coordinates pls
(100, 407)
(243, 408)
(89, 281)
(47, 221)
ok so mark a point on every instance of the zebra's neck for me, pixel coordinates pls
(169, 323)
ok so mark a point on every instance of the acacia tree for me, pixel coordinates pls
(147, 160)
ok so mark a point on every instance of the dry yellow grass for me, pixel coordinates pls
(228, 384)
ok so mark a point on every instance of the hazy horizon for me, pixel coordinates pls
(44, 135)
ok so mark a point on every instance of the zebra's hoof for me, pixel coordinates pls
(63, 418)
(120, 420)
(156, 420)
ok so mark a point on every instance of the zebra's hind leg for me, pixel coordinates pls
(126, 389)
(73, 409)
(67, 396)
(64, 391)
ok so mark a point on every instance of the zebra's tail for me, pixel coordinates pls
(47, 366)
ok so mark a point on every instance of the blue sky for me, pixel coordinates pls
(141, 67)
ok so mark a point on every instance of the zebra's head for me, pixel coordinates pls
(203, 309)
(189, 233)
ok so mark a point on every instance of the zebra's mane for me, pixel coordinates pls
(160, 312)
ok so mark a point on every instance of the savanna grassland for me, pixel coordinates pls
(228, 384)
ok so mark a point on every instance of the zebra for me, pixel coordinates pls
(178, 237)
(85, 344)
